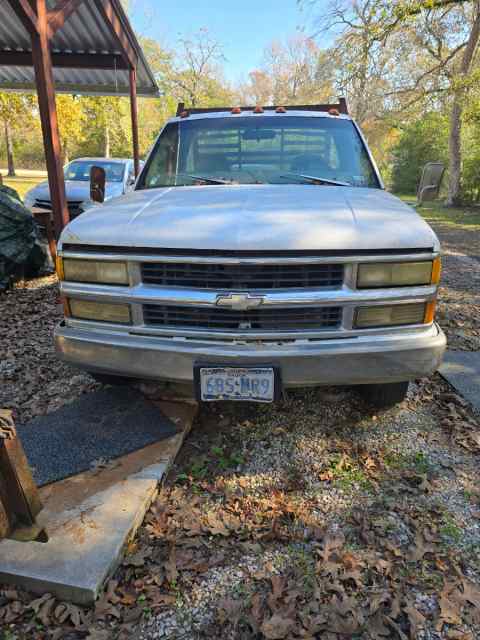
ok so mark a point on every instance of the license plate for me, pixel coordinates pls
(237, 383)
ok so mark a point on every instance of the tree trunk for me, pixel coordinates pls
(455, 153)
(65, 157)
(455, 139)
(107, 141)
(9, 145)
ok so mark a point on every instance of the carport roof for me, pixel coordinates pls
(86, 55)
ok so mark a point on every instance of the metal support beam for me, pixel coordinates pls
(112, 19)
(134, 112)
(42, 63)
(60, 14)
(66, 60)
(25, 14)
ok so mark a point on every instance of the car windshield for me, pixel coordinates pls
(79, 170)
(259, 150)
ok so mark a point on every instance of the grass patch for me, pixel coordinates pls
(450, 532)
(346, 474)
(303, 564)
(436, 213)
(23, 184)
(418, 462)
(463, 218)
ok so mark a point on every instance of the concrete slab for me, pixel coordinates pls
(462, 370)
(90, 518)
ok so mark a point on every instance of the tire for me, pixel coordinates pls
(114, 381)
(384, 396)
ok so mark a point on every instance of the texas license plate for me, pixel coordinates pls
(254, 384)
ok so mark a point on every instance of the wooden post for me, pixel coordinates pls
(19, 498)
(134, 112)
(48, 115)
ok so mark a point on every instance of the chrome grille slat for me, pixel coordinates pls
(284, 319)
(72, 205)
(241, 276)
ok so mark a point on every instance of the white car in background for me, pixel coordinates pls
(120, 178)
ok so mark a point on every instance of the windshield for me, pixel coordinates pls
(79, 170)
(259, 150)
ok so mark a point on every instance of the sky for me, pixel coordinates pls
(244, 27)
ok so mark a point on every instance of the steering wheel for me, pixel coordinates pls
(310, 162)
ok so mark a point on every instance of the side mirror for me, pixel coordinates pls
(97, 184)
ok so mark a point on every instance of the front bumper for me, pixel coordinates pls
(353, 360)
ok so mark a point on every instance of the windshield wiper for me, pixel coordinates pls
(208, 180)
(317, 180)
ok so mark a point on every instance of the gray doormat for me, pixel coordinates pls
(105, 424)
(462, 370)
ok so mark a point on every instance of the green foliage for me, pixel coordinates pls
(450, 531)
(71, 123)
(424, 140)
(471, 152)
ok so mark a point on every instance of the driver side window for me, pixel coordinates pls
(163, 165)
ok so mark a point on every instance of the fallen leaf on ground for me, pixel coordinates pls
(276, 627)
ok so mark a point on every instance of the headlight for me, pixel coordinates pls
(99, 311)
(94, 271)
(391, 316)
(398, 274)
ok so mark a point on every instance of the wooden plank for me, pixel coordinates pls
(19, 497)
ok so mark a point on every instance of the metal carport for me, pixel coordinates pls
(70, 46)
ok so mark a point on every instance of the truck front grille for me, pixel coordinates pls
(227, 277)
(282, 319)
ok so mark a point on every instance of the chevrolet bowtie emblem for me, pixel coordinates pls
(239, 301)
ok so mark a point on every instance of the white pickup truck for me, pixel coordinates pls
(258, 251)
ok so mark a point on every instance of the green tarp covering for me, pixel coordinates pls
(21, 248)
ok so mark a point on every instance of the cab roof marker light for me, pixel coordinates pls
(280, 110)
(258, 110)
(236, 110)
(184, 114)
(334, 112)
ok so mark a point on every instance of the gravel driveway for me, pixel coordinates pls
(316, 518)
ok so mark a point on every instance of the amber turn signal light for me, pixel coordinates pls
(430, 309)
(59, 268)
(436, 271)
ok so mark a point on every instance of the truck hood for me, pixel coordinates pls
(254, 217)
